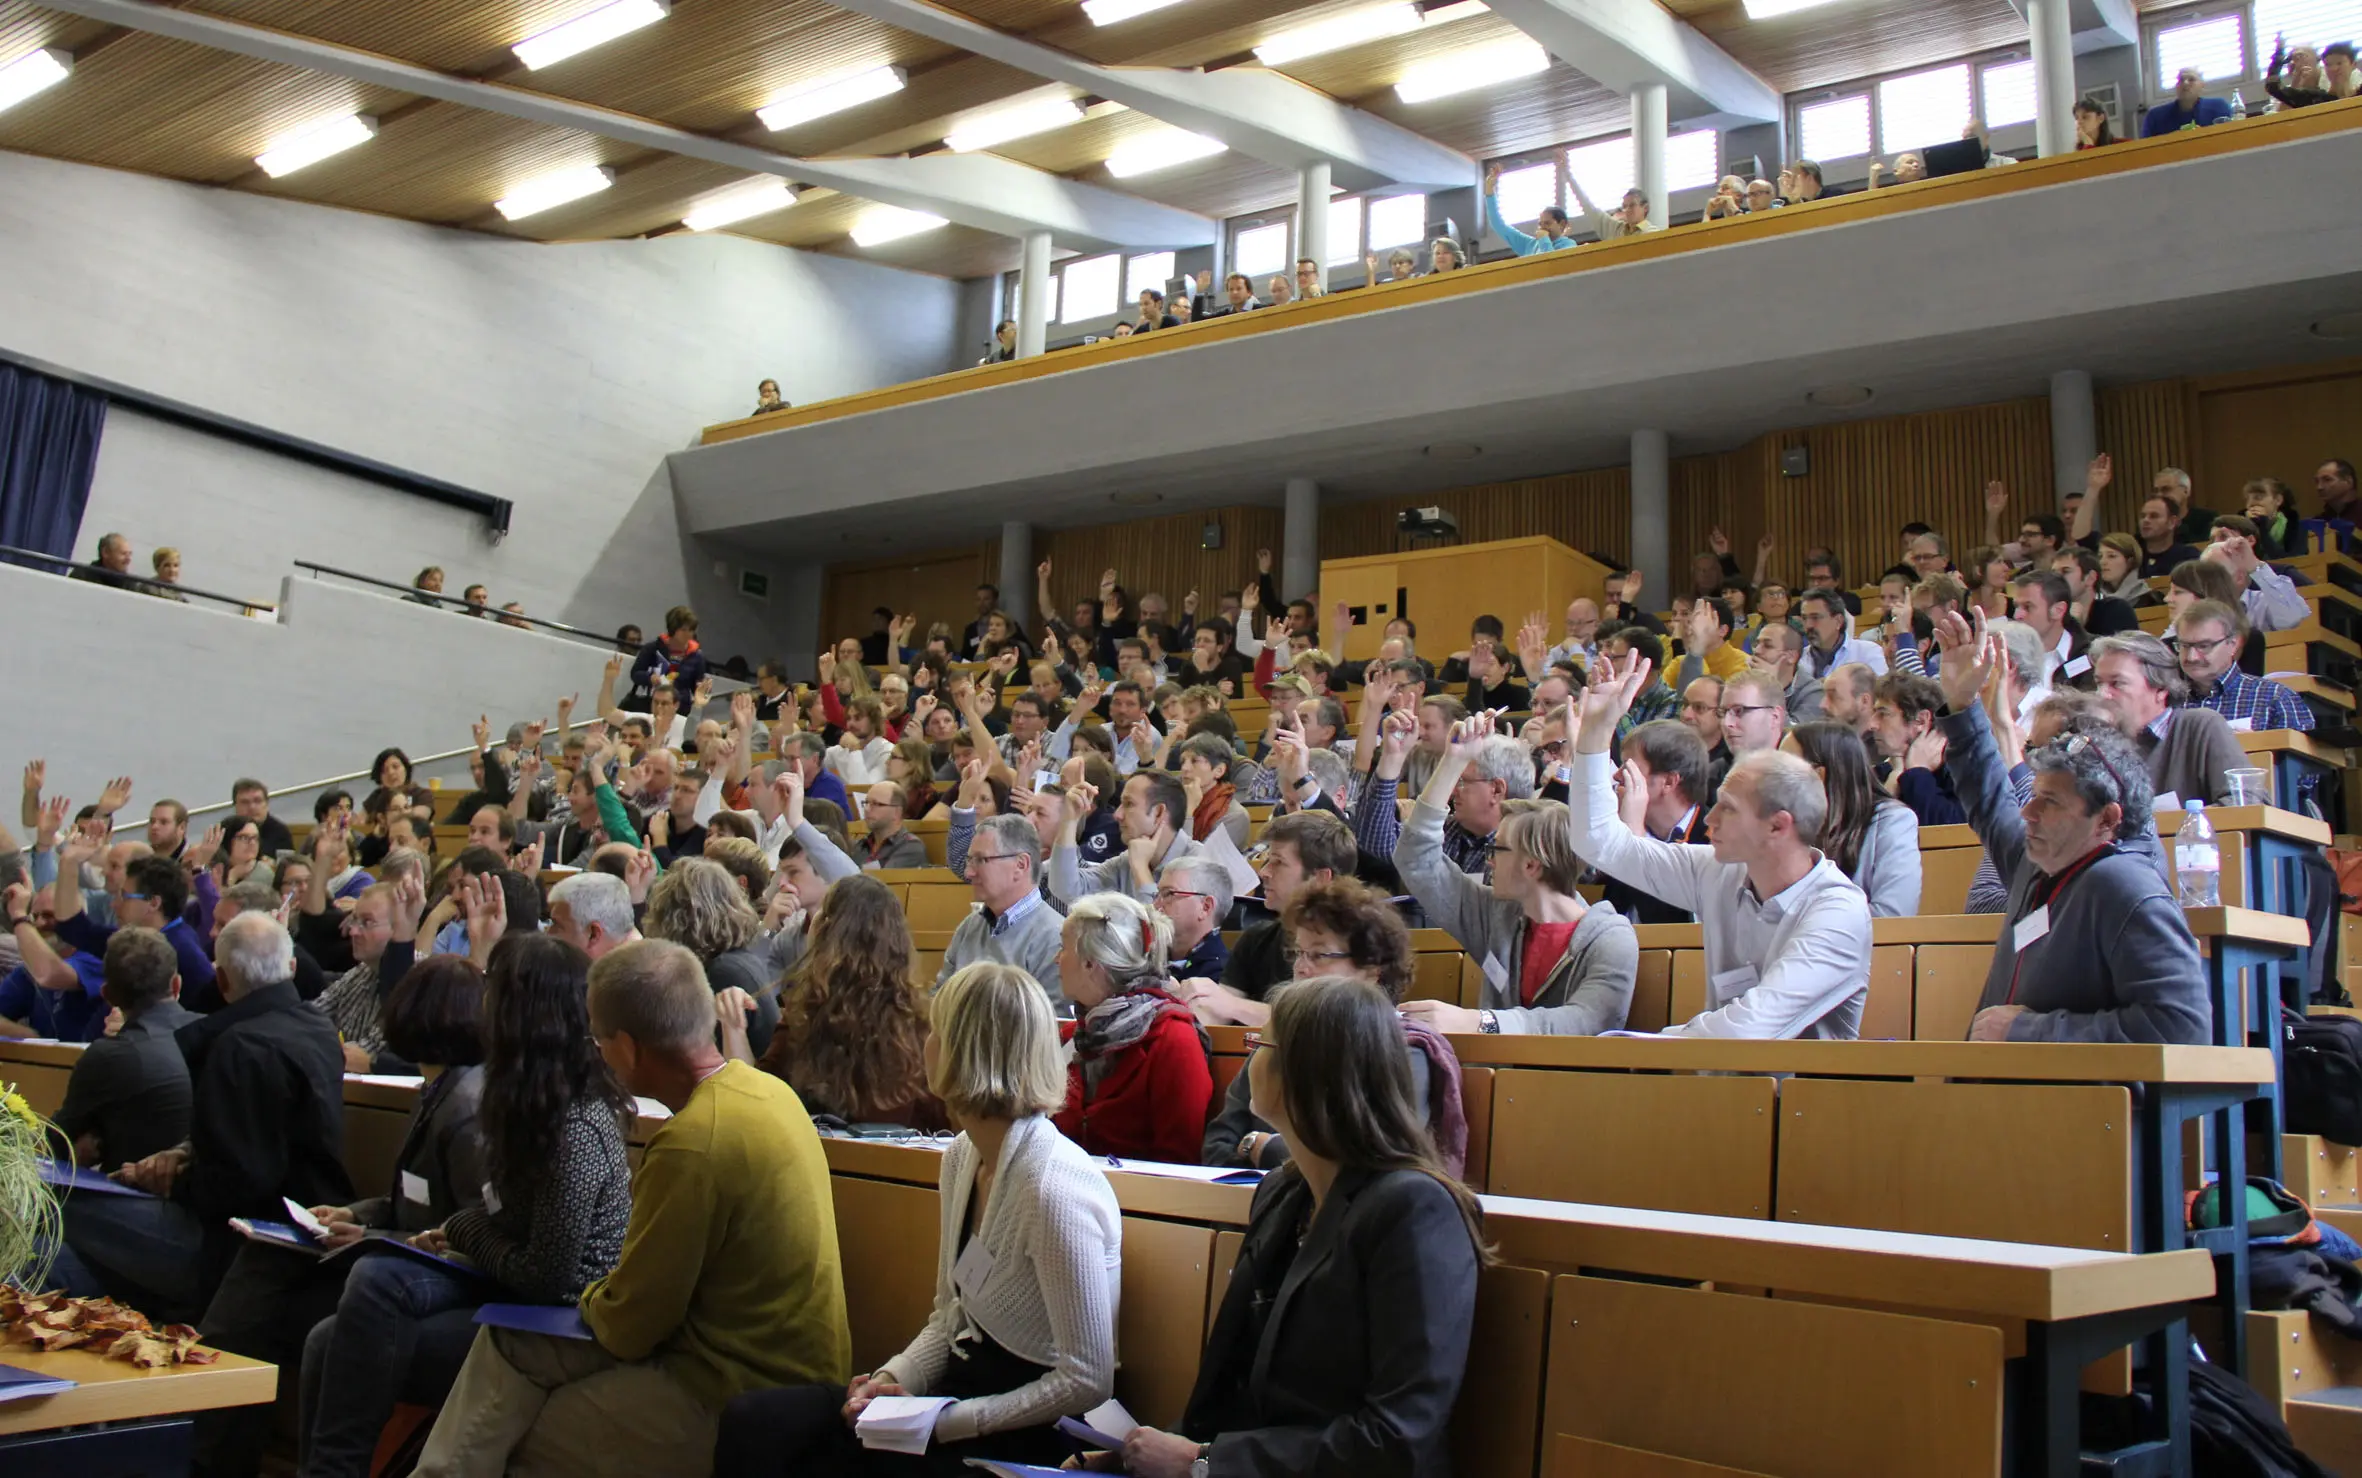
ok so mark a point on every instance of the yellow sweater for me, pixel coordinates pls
(729, 1278)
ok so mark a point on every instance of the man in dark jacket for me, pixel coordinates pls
(2095, 948)
(128, 1096)
(267, 1127)
(673, 658)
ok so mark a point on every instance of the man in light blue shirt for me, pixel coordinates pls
(1552, 227)
(1127, 713)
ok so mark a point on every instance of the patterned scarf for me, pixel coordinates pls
(1124, 1021)
(1211, 810)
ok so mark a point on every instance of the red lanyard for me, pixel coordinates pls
(2042, 898)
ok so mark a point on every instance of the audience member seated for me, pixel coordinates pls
(266, 1127)
(888, 843)
(1498, 770)
(1194, 895)
(1709, 650)
(851, 1023)
(1300, 849)
(1553, 965)
(1873, 840)
(1779, 652)
(1154, 815)
(2190, 751)
(56, 992)
(1669, 804)
(2270, 598)
(1028, 1265)
(1015, 923)
(2190, 107)
(2313, 77)
(1787, 933)
(128, 1096)
(699, 906)
(272, 1295)
(2207, 639)
(1341, 1339)
(672, 660)
(2096, 948)
(1346, 927)
(1208, 765)
(1140, 1078)
(2091, 125)
(150, 892)
(729, 1279)
(1908, 740)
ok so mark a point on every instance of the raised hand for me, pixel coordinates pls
(1250, 597)
(2098, 475)
(528, 768)
(485, 903)
(528, 861)
(1968, 661)
(828, 667)
(1042, 570)
(1717, 540)
(1288, 756)
(52, 822)
(1081, 800)
(36, 771)
(482, 729)
(409, 906)
(614, 668)
(790, 789)
(1996, 498)
(1094, 689)
(1594, 713)
(1189, 604)
(17, 899)
(639, 874)
(972, 787)
(1470, 733)
(112, 797)
(1262, 561)
(1397, 734)
(1533, 644)
(1632, 797)
(201, 852)
(1029, 760)
(703, 692)
(566, 709)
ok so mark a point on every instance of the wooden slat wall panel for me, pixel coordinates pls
(2142, 427)
(1160, 555)
(934, 587)
(2275, 424)
(1590, 511)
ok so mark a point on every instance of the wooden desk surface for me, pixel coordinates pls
(2308, 634)
(2270, 820)
(114, 1390)
(1962, 1275)
(2016, 1062)
(2248, 926)
(1933, 928)
(48, 1054)
(2293, 741)
(2306, 685)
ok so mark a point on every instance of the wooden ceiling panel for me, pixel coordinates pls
(1552, 107)
(450, 35)
(1359, 71)
(447, 165)
(1193, 33)
(174, 109)
(950, 251)
(648, 196)
(1223, 186)
(1854, 38)
(26, 27)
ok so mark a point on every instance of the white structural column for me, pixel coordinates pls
(2053, 34)
(1648, 150)
(1299, 564)
(1017, 572)
(1033, 295)
(1652, 501)
(2074, 432)
(1312, 220)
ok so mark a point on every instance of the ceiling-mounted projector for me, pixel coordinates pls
(1427, 523)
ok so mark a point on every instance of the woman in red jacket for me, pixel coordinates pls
(1140, 1078)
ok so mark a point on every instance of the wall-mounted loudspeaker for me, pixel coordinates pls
(1795, 461)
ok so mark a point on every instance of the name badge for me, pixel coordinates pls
(2242, 725)
(2170, 801)
(491, 1199)
(1731, 984)
(2077, 668)
(974, 1266)
(414, 1188)
(2032, 927)
(1496, 974)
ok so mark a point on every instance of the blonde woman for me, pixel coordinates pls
(167, 563)
(1027, 1267)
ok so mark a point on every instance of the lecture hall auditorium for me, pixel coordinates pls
(1199, 738)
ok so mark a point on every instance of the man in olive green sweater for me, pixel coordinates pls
(729, 1279)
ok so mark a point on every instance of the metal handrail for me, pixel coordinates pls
(448, 602)
(138, 584)
(356, 777)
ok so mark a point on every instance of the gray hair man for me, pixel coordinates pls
(2190, 751)
(1012, 923)
(1195, 893)
(593, 912)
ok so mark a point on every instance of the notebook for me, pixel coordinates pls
(20, 1384)
(559, 1321)
(76, 1178)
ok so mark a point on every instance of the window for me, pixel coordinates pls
(1603, 170)
(1344, 230)
(1090, 288)
(1397, 220)
(1836, 129)
(2215, 46)
(2009, 94)
(1924, 108)
(2313, 23)
(1150, 269)
(1524, 192)
(1013, 300)
(1260, 250)
(1692, 160)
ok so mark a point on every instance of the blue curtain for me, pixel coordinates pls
(49, 432)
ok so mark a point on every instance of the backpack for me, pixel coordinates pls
(2321, 1076)
(2234, 1433)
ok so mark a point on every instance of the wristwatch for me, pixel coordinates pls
(1204, 1463)
(1488, 1023)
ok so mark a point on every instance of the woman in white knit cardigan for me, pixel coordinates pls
(1026, 1272)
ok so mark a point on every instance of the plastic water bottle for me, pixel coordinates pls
(2238, 104)
(2197, 861)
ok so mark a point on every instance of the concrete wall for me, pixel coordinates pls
(187, 698)
(555, 376)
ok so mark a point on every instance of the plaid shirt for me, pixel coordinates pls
(1658, 701)
(2262, 703)
(1377, 830)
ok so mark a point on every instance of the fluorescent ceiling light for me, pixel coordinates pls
(1109, 12)
(1459, 10)
(311, 145)
(1025, 119)
(591, 28)
(1350, 29)
(828, 95)
(1161, 150)
(883, 223)
(551, 190)
(1764, 10)
(1478, 66)
(739, 203)
(35, 71)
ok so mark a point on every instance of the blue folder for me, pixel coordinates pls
(75, 1178)
(20, 1384)
(559, 1321)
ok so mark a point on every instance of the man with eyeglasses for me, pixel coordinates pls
(2189, 751)
(57, 990)
(1194, 892)
(1013, 924)
(1827, 646)
(2208, 635)
(889, 843)
(1754, 714)
(1153, 816)
(1500, 771)
(151, 892)
(2095, 946)
(1787, 933)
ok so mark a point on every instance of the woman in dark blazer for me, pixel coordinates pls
(1341, 1342)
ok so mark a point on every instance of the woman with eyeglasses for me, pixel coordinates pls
(1341, 1341)
(1346, 927)
(1873, 839)
(1027, 1267)
(1140, 1079)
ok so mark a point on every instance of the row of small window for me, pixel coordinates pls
(2232, 43)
